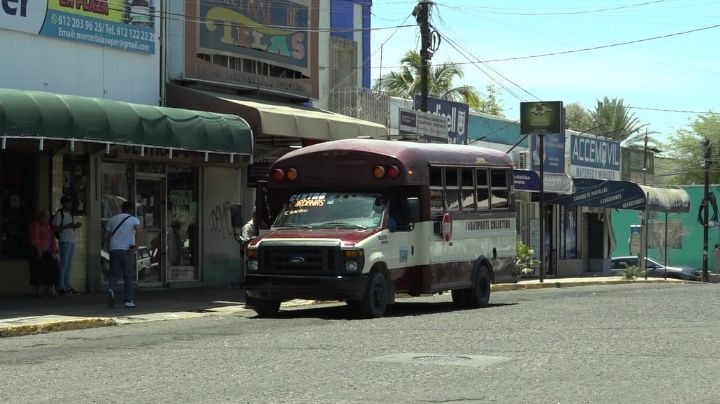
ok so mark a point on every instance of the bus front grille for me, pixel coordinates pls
(299, 260)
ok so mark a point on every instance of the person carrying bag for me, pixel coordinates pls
(122, 234)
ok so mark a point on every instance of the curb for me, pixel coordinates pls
(52, 326)
(504, 287)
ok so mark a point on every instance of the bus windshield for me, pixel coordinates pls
(325, 210)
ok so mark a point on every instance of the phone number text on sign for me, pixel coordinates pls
(114, 35)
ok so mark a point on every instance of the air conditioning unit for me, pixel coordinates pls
(523, 160)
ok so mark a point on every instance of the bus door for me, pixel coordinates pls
(402, 242)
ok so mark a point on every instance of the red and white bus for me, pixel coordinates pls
(360, 220)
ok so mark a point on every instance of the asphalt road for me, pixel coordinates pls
(615, 344)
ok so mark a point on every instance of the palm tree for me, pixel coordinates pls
(613, 120)
(406, 83)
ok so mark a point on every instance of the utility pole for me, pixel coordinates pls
(706, 203)
(541, 152)
(646, 213)
(422, 16)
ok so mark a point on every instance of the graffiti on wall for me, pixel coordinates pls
(220, 220)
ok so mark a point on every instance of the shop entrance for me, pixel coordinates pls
(150, 210)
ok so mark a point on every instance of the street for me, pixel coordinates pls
(622, 343)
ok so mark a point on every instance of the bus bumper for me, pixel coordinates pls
(306, 287)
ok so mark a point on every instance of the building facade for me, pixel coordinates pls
(81, 116)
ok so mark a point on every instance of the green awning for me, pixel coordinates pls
(37, 114)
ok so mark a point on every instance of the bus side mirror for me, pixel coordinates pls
(413, 209)
(236, 216)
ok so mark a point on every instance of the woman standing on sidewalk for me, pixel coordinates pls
(44, 267)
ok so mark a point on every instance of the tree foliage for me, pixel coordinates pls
(405, 83)
(613, 120)
(686, 150)
(578, 118)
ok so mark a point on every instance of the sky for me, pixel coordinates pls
(678, 71)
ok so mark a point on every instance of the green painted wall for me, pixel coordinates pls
(692, 238)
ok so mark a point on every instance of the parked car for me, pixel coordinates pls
(655, 269)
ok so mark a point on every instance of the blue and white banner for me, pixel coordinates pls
(592, 157)
(553, 152)
(457, 115)
(526, 180)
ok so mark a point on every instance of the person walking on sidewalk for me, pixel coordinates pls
(122, 234)
(64, 226)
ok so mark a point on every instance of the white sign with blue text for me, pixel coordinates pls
(592, 157)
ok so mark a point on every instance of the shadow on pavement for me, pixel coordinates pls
(342, 311)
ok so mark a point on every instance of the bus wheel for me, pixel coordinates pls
(479, 294)
(266, 307)
(374, 302)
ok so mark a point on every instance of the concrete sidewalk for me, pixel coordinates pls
(25, 315)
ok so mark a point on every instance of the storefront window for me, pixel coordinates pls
(183, 232)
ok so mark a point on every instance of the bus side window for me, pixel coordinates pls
(452, 189)
(483, 192)
(499, 186)
(436, 191)
(467, 191)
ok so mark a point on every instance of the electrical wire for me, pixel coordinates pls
(549, 13)
(467, 54)
(605, 46)
(181, 17)
(675, 110)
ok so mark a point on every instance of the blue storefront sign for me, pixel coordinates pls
(592, 157)
(526, 180)
(554, 152)
(456, 113)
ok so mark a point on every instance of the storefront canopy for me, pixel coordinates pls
(624, 195)
(289, 122)
(43, 115)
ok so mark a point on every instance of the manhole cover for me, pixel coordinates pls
(441, 358)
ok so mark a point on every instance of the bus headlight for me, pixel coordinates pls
(252, 259)
(353, 260)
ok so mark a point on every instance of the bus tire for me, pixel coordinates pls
(266, 307)
(458, 296)
(374, 302)
(479, 294)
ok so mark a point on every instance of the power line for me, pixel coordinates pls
(512, 92)
(548, 13)
(590, 48)
(605, 46)
(466, 54)
(181, 17)
(675, 110)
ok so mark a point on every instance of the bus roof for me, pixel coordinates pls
(409, 153)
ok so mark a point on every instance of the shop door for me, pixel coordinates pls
(151, 213)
